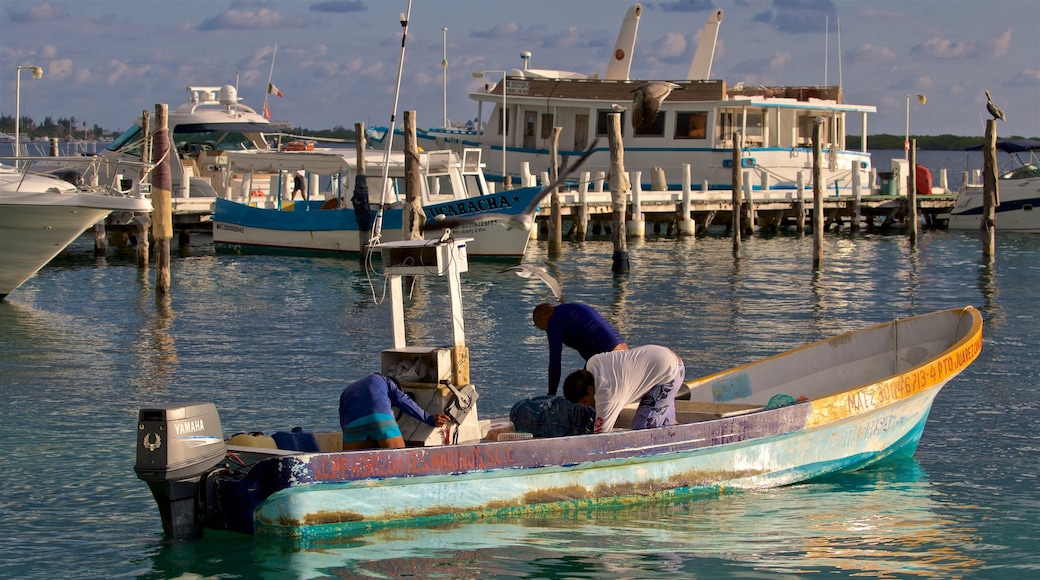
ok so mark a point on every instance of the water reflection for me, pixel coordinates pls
(878, 522)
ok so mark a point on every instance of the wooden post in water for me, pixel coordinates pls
(144, 221)
(619, 187)
(856, 182)
(800, 226)
(817, 191)
(735, 198)
(581, 223)
(555, 217)
(748, 217)
(687, 227)
(413, 217)
(162, 210)
(360, 180)
(990, 191)
(911, 194)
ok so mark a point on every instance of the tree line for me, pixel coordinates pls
(61, 128)
(884, 141)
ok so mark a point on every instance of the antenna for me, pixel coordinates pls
(826, 45)
(378, 226)
(838, 21)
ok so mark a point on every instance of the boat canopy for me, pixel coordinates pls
(1011, 145)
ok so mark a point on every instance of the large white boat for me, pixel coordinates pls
(1018, 190)
(40, 215)
(697, 125)
(212, 122)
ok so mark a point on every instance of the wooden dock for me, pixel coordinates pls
(661, 211)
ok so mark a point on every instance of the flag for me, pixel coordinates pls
(273, 90)
(267, 112)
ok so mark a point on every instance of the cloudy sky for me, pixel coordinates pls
(337, 60)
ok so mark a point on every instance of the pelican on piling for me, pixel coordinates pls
(647, 99)
(994, 109)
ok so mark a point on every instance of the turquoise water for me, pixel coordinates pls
(273, 339)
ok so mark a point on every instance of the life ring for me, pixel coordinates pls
(256, 193)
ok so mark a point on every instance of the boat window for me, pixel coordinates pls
(753, 128)
(654, 130)
(547, 125)
(500, 115)
(530, 118)
(129, 142)
(602, 122)
(1024, 172)
(725, 129)
(691, 125)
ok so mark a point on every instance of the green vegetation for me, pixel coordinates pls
(61, 128)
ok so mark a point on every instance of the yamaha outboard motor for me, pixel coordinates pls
(176, 445)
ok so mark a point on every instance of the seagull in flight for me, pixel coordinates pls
(994, 109)
(523, 220)
(528, 270)
(647, 99)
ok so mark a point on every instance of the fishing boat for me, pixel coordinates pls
(840, 404)
(699, 124)
(449, 185)
(41, 214)
(1018, 189)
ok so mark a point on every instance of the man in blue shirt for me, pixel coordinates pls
(578, 326)
(367, 419)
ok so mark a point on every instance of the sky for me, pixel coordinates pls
(337, 61)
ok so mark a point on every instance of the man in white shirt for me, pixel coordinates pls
(649, 374)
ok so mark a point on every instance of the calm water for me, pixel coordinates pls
(273, 340)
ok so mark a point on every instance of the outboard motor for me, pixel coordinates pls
(176, 445)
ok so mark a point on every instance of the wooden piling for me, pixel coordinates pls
(99, 238)
(990, 191)
(748, 218)
(856, 179)
(800, 226)
(911, 194)
(817, 187)
(144, 221)
(637, 225)
(162, 208)
(687, 226)
(360, 177)
(413, 216)
(736, 187)
(619, 186)
(555, 217)
(581, 223)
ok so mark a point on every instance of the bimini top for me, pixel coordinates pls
(1011, 145)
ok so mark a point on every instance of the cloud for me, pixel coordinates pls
(339, 6)
(505, 29)
(688, 6)
(45, 12)
(870, 53)
(798, 16)
(250, 16)
(1027, 78)
(59, 68)
(568, 38)
(944, 48)
(670, 45)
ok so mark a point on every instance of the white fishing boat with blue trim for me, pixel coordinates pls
(697, 125)
(840, 404)
(341, 219)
